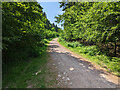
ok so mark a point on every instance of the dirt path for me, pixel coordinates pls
(75, 72)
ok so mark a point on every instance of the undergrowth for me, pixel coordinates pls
(28, 73)
(94, 54)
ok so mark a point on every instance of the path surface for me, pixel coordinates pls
(74, 72)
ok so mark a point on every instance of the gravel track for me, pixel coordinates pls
(75, 72)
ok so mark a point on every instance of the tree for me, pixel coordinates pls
(91, 22)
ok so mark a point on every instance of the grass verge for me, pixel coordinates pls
(111, 64)
(30, 73)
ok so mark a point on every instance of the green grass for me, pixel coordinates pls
(92, 53)
(22, 74)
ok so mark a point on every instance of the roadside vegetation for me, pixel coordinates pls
(92, 29)
(30, 73)
(94, 54)
(26, 32)
(26, 73)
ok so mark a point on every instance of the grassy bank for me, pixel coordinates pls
(30, 73)
(94, 54)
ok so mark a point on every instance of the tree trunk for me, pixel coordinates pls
(115, 49)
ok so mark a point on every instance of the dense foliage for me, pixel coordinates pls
(92, 23)
(25, 26)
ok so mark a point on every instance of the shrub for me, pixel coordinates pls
(61, 39)
(115, 59)
(115, 66)
(74, 44)
(45, 41)
(70, 44)
(91, 50)
(103, 58)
